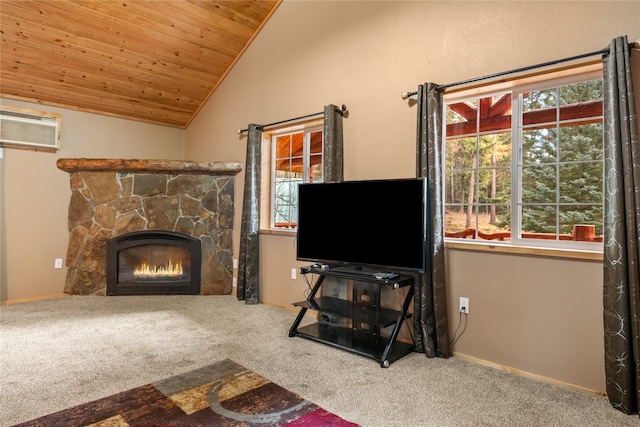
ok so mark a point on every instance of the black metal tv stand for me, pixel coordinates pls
(363, 316)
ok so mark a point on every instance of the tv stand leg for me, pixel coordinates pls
(396, 329)
(293, 331)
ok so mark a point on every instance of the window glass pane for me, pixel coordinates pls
(485, 184)
(571, 215)
(283, 147)
(315, 142)
(539, 184)
(539, 146)
(581, 183)
(580, 93)
(459, 217)
(460, 153)
(286, 199)
(582, 142)
(495, 150)
(490, 227)
(540, 99)
(315, 169)
(461, 112)
(498, 221)
(297, 150)
(495, 113)
(539, 219)
(457, 186)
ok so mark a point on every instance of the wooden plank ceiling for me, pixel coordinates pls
(152, 61)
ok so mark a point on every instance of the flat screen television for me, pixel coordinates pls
(373, 223)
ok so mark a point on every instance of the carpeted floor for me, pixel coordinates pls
(222, 394)
(62, 353)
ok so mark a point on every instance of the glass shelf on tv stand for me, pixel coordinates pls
(368, 275)
(344, 335)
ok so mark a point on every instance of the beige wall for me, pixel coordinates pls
(539, 315)
(35, 194)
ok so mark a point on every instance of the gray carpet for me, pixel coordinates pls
(59, 353)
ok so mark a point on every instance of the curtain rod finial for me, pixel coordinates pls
(407, 95)
(239, 131)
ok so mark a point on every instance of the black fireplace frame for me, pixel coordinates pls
(151, 237)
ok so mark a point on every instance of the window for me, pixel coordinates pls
(296, 157)
(525, 165)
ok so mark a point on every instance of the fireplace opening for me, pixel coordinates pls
(153, 263)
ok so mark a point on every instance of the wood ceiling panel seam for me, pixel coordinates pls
(135, 50)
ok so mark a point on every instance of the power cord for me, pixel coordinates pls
(454, 339)
(308, 282)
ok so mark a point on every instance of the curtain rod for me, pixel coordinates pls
(342, 111)
(406, 95)
(519, 70)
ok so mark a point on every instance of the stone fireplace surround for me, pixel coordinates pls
(110, 197)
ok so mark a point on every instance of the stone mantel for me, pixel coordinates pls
(149, 166)
(111, 197)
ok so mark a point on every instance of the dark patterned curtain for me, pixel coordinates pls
(621, 232)
(333, 158)
(430, 301)
(249, 260)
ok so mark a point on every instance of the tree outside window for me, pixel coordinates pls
(526, 164)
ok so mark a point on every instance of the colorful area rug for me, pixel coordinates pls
(223, 394)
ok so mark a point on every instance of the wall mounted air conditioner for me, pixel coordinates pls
(30, 129)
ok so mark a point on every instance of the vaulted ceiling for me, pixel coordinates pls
(153, 61)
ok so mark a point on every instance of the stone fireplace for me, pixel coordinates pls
(116, 197)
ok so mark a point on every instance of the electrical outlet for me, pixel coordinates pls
(464, 305)
(235, 263)
(57, 263)
(234, 282)
(294, 273)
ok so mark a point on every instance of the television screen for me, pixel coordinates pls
(377, 223)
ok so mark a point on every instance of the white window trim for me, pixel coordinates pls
(267, 172)
(517, 85)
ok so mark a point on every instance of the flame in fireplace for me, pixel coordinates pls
(170, 269)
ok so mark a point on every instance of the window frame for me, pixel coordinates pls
(268, 194)
(517, 85)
